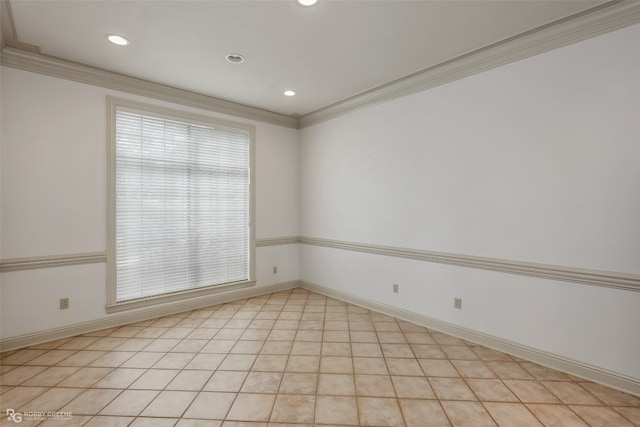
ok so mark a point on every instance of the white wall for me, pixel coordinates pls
(54, 190)
(535, 161)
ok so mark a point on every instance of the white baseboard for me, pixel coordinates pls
(579, 369)
(140, 315)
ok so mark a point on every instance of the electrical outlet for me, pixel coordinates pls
(64, 303)
(457, 303)
(275, 269)
(395, 288)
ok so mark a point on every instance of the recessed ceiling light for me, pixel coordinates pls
(306, 2)
(235, 58)
(289, 93)
(116, 39)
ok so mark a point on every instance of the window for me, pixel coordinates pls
(180, 205)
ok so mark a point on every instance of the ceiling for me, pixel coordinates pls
(326, 53)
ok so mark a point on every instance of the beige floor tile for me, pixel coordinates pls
(21, 374)
(91, 401)
(53, 399)
(511, 414)
(21, 357)
(119, 378)
(509, 370)
(154, 379)
(418, 338)
(81, 358)
(326, 363)
(169, 404)
(610, 396)
(237, 362)
(51, 357)
(438, 368)
(153, 422)
(366, 350)
(336, 410)
(112, 359)
(73, 421)
(368, 365)
(336, 365)
(413, 388)
(299, 383)
(374, 386)
(427, 351)
(162, 345)
(251, 407)
(129, 402)
(336, 349)
(107, 421)
(379, 411)
(530, 391)
(298, 363)
(451, 389)
(230, 381)
(306, 348)
(85, 377)
(336, 336)
(134, 344)
(262, 382)
(571, 393)
(293, 409)
(218, 346)
(336, 384)
(276, 347)
(210, 405)
(556, 415)
(458, 352)
(491, 390)
(409, 367)
(174, 361)
(630, 413)
(270, 363)
(423, 413)
(467, 414)
(397, 350)
(542, 373)
(142, 360)
(473, 369)
(601, 416)
(247, 347)
(19, 396)
(190, 380)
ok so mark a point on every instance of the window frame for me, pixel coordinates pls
(113, 105)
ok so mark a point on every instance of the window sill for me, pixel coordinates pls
(177, 296)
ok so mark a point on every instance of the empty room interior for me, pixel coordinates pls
(331, 213)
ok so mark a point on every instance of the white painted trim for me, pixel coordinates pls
(609, 279)
(13, 264)
(56, 67)
(579, 369)
(275, 241)
(593, 22)
(601, 19)
(140, 315)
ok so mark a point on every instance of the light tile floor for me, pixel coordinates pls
(293, 358)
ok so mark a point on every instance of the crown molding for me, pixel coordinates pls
(609, 279)
(56, 67)
(593, 22)
(597, 374)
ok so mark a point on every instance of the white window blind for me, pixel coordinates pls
(182, 206)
